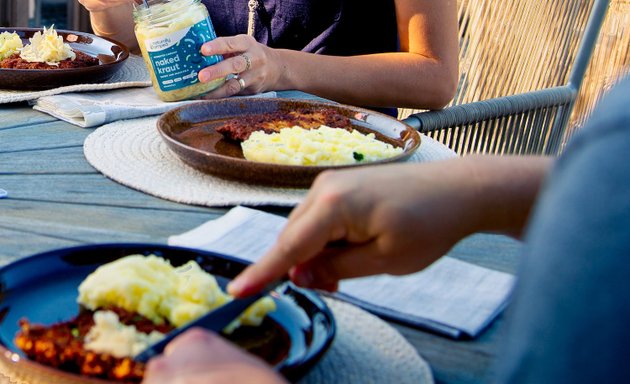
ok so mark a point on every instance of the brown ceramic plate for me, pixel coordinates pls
(189, 131)
(110, 53)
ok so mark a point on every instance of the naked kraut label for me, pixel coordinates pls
(177, 58)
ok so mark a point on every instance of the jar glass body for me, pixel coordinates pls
(170, 34)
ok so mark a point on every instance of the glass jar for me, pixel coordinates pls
(170, 34)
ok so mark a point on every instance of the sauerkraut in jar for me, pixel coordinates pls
(170, 34)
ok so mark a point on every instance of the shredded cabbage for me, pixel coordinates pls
(10, 43)
(47, 47)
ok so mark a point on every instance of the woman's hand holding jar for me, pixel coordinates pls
(256, 67)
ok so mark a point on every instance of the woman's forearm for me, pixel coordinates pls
(116, 23)
(379, 80)
(423, 75)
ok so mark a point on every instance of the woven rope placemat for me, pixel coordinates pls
(132, 153)
(133, 73)
(365, 350)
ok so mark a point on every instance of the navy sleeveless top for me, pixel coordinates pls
(332, 27)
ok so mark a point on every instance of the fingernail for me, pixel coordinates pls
(206, 50)
(203, 77)
(235, 287)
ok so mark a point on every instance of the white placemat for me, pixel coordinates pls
(133, 73)
(367, 350)
(132, 153)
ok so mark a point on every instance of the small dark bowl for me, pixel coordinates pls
(43, 288)
(189, 131)
(110, 53)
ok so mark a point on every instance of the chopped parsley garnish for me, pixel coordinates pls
(358, 156)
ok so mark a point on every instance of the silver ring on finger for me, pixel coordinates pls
(248, 62)
(241, 83)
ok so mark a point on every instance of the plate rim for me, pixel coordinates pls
(115, 42)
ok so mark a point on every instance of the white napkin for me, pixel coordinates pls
(451, 297)
(91, 109)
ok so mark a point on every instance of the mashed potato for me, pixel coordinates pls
(321, 146)
(10, 43)
(153, 288)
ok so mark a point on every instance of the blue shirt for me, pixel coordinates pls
(570, 316)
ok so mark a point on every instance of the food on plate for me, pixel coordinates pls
(10, 43)
(125, 306)
(80, 61)
(316, 146)
(153, 288)
(239, 129)
(63, 345)
(305, 136)
(47, 47)
(46, 50)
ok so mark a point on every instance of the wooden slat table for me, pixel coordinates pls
(56, 199)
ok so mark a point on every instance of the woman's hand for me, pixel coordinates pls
(198, 356)
(395, 219)
(253, 64)
(102, 5)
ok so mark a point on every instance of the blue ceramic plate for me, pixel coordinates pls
(43, 288)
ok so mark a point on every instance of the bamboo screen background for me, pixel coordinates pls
(516, 46)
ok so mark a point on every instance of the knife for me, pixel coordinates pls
(215, 321)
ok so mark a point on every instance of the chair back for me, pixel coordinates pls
(512, 48)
